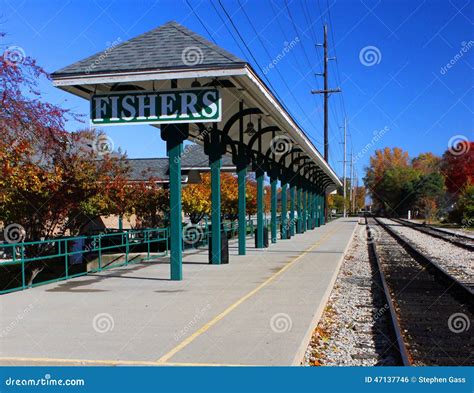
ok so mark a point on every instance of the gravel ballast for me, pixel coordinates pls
(456, 260)
(354, 329)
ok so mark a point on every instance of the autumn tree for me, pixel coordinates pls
(383, 161)
(398, 184)
(458, 166)
(51, 181)
(150, 204)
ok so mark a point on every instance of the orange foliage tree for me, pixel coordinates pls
(51, 182)
(196, 198)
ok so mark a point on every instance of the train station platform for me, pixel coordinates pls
(260, 309)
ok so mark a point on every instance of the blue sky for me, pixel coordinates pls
(402, 88)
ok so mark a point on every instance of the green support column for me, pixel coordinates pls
(303, 212)
(320, 210)
(216, 211)
(174, 135)
(274, 210)
(215, 163)
(310, 211)
(292, 210)
(313, 201)
(241, 179)
(259, 177)
(323, 210)
(176, 234)
(284, 221)
(299, 227)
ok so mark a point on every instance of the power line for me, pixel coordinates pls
(277, 70)
(295, 57)
(202, 23)
(249, 51)
(228, 30)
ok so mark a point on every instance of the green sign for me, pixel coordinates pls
(154, 107)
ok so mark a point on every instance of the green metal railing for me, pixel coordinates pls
(69, 257)
(64, 258)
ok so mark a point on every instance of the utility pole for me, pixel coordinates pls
(356, 182)
(344, 169)
(352, 182)
(326, 91)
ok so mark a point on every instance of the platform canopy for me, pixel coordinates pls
(172, 56)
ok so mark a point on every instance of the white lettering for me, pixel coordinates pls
(209, 104)
(128, 105)
(167, 104)
(100, 107)
(151, 107)
(114, 104)
(188, 103)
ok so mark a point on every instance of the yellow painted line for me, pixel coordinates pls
(204, 364)
(109, 362)
(87, 361)
(232, 307)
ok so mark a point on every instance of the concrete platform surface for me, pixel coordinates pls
(260, 309)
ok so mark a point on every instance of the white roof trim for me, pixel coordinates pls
(302, 139)
(141, 76)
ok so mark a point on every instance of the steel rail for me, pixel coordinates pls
(426, 229)
(395, 324)
(430, 263)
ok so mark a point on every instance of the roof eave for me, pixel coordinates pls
(238, 69)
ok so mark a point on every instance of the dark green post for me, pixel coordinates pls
(292, 210)
(274, 209)
(299, 227)
(241, 179)
(284, 221)
(174, 135)
(215, 163)
(323, 209)
(305, 210)
(318, 211)
(259, 176)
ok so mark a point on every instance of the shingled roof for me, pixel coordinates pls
(169, 43)
(193, 158)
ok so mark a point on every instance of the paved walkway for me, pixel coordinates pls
(259, 309)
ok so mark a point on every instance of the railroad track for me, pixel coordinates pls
(431, 311)
(459, 240)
